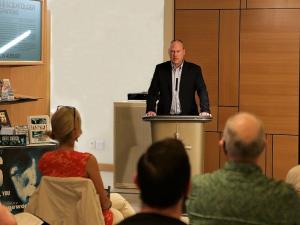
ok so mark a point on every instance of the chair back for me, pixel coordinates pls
(66, 201)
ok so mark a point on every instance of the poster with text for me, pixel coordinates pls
(19, 174)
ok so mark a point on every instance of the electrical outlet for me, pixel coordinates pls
(100, 145)
(92, 144)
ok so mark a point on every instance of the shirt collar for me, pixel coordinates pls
(242, 167)
(179, 67)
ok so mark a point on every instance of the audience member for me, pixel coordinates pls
(293, 178)
(67, 162)
(240, 193)
(163, 177)
(6, 218)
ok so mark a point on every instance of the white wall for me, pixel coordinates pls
(100, 51)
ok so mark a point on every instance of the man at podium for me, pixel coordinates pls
(174, 84)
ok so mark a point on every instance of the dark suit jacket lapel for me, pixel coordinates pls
(169, 76)
(183, 78)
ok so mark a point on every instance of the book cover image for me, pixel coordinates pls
(4, 119)
(13, 140)
(6, 91)
(38, 127)
(20, 175)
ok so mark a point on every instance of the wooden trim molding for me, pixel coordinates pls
(106, 167)
(168, 27)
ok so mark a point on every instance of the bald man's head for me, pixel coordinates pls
(243, 137)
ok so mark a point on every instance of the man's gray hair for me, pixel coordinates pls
(176, 40)
(237, 147)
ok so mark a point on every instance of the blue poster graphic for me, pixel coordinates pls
(19, 174)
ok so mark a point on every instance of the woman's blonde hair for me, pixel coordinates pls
(63, 122)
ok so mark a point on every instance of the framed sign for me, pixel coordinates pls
(4, 119)
(21, 33)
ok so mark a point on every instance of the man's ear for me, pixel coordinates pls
(222, 146)
(136, 181)
(189, 188)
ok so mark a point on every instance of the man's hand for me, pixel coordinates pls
(151, 113)
(205, 114)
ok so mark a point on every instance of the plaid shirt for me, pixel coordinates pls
(240, 194)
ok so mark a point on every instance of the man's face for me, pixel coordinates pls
(2, 118)
(176, 52)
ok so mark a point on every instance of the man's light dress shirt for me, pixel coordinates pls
(176, 75)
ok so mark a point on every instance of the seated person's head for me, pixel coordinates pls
(163, 174)
(66, 124)
(243, 137)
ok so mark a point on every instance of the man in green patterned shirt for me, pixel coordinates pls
(240, 193)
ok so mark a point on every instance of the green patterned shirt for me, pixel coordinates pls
(241, 194)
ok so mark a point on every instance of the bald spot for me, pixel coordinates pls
(246, 126)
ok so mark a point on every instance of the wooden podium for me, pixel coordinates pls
(189, 129)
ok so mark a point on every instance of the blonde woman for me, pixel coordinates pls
(67, 162)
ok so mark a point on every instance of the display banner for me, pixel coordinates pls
(20, 30)
(19, 174)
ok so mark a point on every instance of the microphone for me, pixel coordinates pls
(176, 85)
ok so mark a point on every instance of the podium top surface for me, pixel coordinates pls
(200, 119)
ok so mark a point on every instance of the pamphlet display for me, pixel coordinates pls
(38, 127)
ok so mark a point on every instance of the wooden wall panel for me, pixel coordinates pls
(207, 4)
(261, 162)
(212, 151)
(285, 154)
(243, 4)
(31, 80)
(269, 70)
(224, 114)
(273, 4)
(4, 71)
(168, 26)
(213, 125)
(201, 43)
(229, 58)
(275, 21)
(268, 83)
(269, 156)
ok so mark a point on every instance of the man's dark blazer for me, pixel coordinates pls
(161, 89)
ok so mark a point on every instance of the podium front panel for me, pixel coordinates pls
(190, 133)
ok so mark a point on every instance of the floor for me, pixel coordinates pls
(130, 194)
